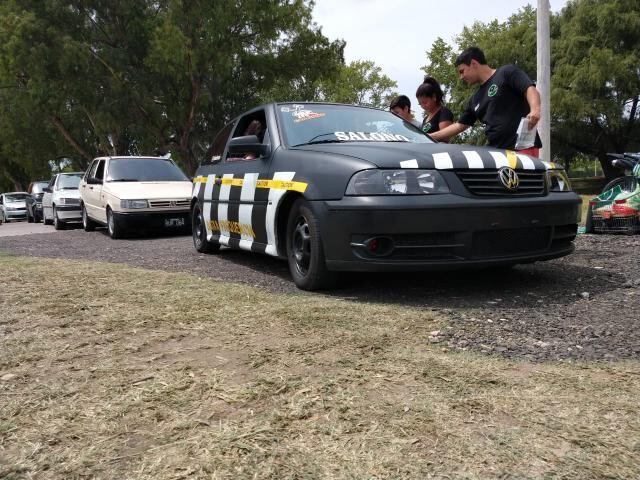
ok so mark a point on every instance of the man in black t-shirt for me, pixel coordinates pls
(505, 95)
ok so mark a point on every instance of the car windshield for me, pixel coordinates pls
(16, 197)
(37, 187)
(144, 170)
(308, 123)
(69, 182)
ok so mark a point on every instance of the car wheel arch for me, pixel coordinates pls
(282, 217)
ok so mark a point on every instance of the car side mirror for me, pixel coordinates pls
(248, 144)
(46, 190)
(94, 181)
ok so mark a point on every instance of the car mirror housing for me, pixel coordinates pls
(46, 190)
(94, 181)
(248, 144)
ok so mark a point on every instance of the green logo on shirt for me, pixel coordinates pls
(426, 127)
(493, 89)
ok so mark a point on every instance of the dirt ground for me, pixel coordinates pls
(581, 307)
(114, 372)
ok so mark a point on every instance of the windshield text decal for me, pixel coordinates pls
(370, 137)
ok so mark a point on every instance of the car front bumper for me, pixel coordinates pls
(69, 213)
(445, 231)
(167, 220)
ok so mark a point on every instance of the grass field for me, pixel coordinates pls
(110, 372)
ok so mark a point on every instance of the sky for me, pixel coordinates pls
(396, 34)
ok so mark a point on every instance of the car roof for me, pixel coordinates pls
(12, 193)
(132, 157)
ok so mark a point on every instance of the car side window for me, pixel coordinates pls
(90, 170)
(217, 147)
(254, 123)
(99, 174)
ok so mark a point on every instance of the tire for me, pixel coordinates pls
(113, 226)
(88, 224)
(627, 183)
(4, 218)
(45, 219)
(588, 224)
(30, 219)
(57, 223)
(199, 232)
(305, 254)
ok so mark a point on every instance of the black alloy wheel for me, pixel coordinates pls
(199, 232)
(305, 254)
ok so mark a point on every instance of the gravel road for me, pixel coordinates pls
(582, 307)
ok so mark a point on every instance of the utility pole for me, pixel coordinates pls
(544, 78)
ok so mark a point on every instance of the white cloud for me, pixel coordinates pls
(396, 35)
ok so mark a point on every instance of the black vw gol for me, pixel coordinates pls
(335, 187)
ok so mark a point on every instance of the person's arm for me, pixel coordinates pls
(451, 131)
(533, 99)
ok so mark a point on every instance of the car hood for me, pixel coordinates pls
(149, 190)
(18, 204)
(440, 156)
(73, 193)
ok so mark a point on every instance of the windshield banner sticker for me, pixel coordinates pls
(370, 137)
(300, 114)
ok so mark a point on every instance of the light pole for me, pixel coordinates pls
(544, 78)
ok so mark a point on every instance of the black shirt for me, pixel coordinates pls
(433, 125)
(499, 104)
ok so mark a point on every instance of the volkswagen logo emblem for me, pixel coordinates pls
(509, 178)
(172, 203)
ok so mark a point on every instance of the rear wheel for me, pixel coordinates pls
(113, 226)
(199, 232)
(57, 223)
(30, 219)
(304, 249)
(88, 224)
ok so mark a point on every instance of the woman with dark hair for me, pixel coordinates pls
(429, 96)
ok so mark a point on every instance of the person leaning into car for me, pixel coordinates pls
(506, 94)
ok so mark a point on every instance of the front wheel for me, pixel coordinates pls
(199, 232)
(304, 249)
(45, 220)
(57, 223)
(30, 219)
(88, 224)
(113, 226)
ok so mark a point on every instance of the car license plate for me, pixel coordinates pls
(174, 222)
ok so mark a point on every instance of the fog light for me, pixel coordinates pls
(379, 246)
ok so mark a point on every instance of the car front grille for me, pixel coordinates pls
(72, 201)
(486, 182)
(169, 203)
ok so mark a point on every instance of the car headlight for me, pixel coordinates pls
(558, 181)
(134, 204)
(397, 182)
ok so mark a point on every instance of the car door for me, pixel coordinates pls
(239, 199)
(91, 191)
(47, 211)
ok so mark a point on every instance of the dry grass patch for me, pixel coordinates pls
(114, 372)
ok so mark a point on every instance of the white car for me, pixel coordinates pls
(61, 200)
(13, 206)
(129, 194)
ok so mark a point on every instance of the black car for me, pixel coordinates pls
(343, 188)
(34, 200)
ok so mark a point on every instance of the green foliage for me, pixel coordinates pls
(595, 73)
(82, 78)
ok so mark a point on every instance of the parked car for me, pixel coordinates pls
(333, 188)
(61, 200)
(129, 194)
(13, 206)
(34, 200)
